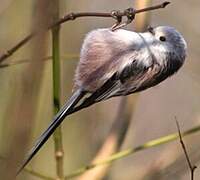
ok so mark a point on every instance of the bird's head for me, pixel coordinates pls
(171, 39)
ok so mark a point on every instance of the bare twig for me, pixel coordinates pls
(31, 171)
(26, 60)
(37, 174)
(128, 152)
(73, 16)
(23, 61)
(192, 167)
(10, 52)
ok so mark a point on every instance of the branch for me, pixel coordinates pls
(128, 152)
(24, 61)
(32, 172)
(59, 152)
(12, 50)
(37, 174)
(73, 16)
(192, 167)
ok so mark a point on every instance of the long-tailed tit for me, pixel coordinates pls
(117, 64)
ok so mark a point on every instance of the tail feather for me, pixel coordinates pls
(57, 120)
(104, 92)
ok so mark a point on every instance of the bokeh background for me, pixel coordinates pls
(26, 88)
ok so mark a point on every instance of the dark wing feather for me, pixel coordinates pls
(132, 70)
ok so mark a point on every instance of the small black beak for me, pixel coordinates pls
(151, 30)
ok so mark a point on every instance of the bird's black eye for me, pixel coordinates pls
(162, 38)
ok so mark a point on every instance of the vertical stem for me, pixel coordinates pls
(142, 20)
(59, 153)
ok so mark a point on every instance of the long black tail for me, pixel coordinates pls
(60, 116)
(70, 107)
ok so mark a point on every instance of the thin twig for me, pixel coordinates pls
(73, 16)
(128, 152)
(24, 61)
(9, 52)
(192, 167)
(37, 174)
(32, 172)
(2, 158)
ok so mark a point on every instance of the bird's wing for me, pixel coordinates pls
(142, 78)
(106, 91)
(117, 84)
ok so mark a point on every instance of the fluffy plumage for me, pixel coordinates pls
(140, 59)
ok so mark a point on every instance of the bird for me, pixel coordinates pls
(118, 63)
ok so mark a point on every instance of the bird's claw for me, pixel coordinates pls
(129, 13)
(116, 15)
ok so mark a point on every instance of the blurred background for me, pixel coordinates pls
(27, 104)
